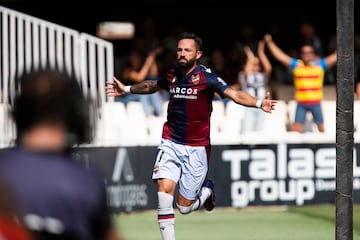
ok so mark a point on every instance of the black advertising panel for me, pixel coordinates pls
(244, 175)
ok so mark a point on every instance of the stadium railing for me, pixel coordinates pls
(28, 42)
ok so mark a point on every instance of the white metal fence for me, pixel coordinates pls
(27, 43)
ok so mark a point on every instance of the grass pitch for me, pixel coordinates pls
(269, 223)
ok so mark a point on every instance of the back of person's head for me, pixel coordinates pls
(52, 97)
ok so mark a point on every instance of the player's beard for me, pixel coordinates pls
(188, 64)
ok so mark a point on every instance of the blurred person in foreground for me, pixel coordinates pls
(184, 153)
(308, 76)
(58, 197)
(11, 228)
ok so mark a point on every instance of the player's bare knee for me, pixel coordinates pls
(184, 209)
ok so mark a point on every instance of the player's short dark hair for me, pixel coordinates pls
(191, 35)
(49, 96)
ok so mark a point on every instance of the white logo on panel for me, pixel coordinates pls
(122, 166)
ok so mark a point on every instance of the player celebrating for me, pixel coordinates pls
(184, 153)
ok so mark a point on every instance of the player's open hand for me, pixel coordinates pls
(267, 104)
(114, 88)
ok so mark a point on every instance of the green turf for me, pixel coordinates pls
(293, 223)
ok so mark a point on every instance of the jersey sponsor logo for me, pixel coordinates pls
(187, 93)
(185, 96)
(179, 90)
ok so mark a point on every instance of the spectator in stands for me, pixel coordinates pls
(234, 61)
(183, 154)
(135, 71)
(308, 75)
(218, 64)
(147, 36)
(248, 36)
(308, 36)
(58, 197)
(254, 79)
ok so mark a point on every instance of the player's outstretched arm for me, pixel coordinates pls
(145, 87)
(243, 98)
(116, 88)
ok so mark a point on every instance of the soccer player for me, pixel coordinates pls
(57, 197)
(184, 153)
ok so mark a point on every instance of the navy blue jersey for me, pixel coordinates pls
(56, 194)
(190, 104)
